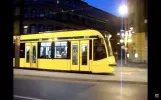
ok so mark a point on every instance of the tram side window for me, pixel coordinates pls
(22, 50)
(99, 50)
(61, 50)
(13, 50)
(45, 49)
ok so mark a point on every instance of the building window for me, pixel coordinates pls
(60, 50)
(67, 3)
(58, 27)
(33, 28)
(17, 11)
(41, 13)
(52, 1)
(26, 13)
(50, 28)
(73, 5)
(57, 2)
(41, 28)
(25, 29)
(50, 15)
(99, 50)
(33, 13)
(64, 17)
(45, 49)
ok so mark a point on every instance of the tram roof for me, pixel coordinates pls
(63, 33)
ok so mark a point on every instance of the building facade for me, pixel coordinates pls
(33, 16)
(137, 15)
(138, 49)
(137, 18)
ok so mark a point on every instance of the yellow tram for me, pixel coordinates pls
(68, 50)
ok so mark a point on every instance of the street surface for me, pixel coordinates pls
(128, 74)
(34, 88)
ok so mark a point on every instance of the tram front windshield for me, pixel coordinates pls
(109, 48)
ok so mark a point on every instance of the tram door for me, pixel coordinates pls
(80, 55)
(31, 55)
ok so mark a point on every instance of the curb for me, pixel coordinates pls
(89, 80)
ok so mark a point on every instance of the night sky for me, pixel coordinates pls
(110, 6)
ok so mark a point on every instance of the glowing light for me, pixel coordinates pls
(126, 33)
(55, 39)
(50, 39)
(121, 40)
(122, 34)
(110, 36)
(136, 55)
(123, 10)
(131, 28)
(25, 26)
(128, 55)
(129, 40)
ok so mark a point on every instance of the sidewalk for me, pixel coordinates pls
(129, 75)
(135, 65)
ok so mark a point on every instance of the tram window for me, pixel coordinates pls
(75, 54)
(109, 48)
(13, 50)
(34, 54)
(27, 54)
(45, 49)
(84, 54)
(60, 50)
(22, 50)
(99, 50)
(90, 49)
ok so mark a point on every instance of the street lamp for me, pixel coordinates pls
(124, 34)
(121, 41)
(123, 10)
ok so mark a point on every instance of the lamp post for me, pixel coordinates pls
(123, 10)
(126, 38)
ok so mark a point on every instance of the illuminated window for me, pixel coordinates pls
(45, 49)
(27, 54)
(25, 29)
(57, 2)
(42, 13)
(60, 50)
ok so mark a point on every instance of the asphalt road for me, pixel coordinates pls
(33, 88)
